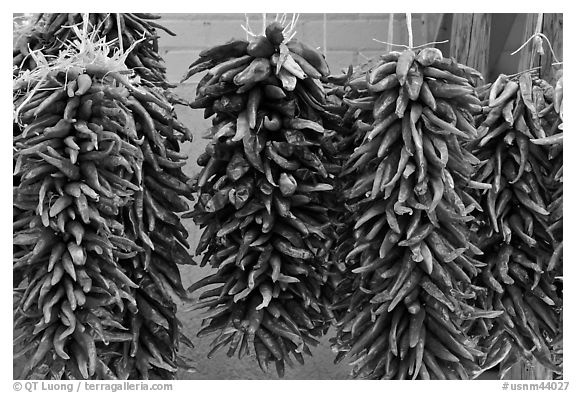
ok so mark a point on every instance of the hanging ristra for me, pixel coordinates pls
(27, 36)
(96, 236)
(342, 143)
(50, 32)
(555, 148)
(262, 196)
(520, 145)
(406, 310)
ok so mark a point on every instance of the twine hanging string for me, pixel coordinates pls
(409, 27)
(410, 37)
(249, 33)
(538, 37)
(288, 30)
(246, 26)
(538, 40)
(324, 35)
(533, 69)
(390, 31)
(407, 47)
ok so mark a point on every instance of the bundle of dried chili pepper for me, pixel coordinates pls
(263, 197)
(403, 311)
(96, 233)
(520, 233)
(49, 33)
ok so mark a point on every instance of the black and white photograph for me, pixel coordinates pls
(287, 196)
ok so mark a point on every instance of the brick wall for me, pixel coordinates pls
(348, 36)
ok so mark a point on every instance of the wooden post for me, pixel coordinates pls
(443, 33)
(502, 25)
(525, 371)
(552, 27)
(470, 40)
(429, 23)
